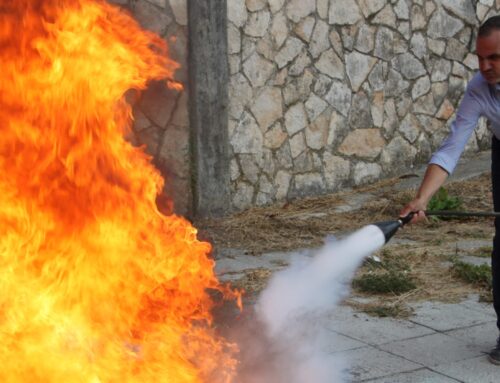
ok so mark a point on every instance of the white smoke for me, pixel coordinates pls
(292, 308)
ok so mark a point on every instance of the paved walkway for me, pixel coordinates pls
(439, 343)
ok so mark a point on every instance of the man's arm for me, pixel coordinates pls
(434, 178)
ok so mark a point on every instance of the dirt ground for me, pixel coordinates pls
(422, 251)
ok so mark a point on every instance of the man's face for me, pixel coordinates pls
(488, 54)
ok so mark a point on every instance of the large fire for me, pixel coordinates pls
(97, 285)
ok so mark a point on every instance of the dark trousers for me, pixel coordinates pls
(495, 256)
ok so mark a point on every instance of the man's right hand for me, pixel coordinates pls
(433, 179)
(416, 206)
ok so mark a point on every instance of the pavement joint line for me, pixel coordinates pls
(450, 377)
(409, 372)
(348, 336)
(444, 332)
(466, 327)
(401, 356)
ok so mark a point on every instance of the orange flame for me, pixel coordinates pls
(97, 285)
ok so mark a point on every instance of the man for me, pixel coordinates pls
(482, 98)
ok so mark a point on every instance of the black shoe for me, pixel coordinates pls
(494, 355)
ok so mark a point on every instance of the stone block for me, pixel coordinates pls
(282, 183)
(315, 107)
(179, 9)
(360, 116)
(339, 96)
(307, 184)
(275, 136)
(276, 5)
(386, 17)
(295, 118)
(366, 38)
(301, 62)
(317, 132)
(267, 108)
(279, 30)
(336, 170)
(344, 12)
(255, 5)
(247, 137)
(366, 172)
(243, 196)
(257, 23)
(158, 102)
(298, 9)
(358, 66)
(402, 10)
(249, 168)
(151, 17)
(442, 25)
(257, 69)
(237, 12)
(370, 7)
(290, 50)
(297, 145)
(319, 39)
(330, 64)
(398, 155)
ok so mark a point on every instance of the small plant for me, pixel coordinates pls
(479, 275)
(443, 201)
(389, 310)
(483, 252)
(389, 282)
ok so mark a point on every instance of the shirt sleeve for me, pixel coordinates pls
(451, 148)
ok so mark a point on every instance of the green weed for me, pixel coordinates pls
(388, 282)
(479, 275)
(483, 252)
(443, 201)
(389, 310)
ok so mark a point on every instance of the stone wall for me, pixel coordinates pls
(161, 114)
(326, 94)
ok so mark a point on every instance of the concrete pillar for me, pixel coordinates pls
(208, 80)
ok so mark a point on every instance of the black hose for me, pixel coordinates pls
(445, 213)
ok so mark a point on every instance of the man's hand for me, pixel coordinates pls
(416, 206)
(433, 179)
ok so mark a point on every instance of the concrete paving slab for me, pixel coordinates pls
(469, 246)
(482, 336)
(476, 370)
(238, 262)
(466, 248)
(432, 350)
(472, 303)
(446, 316)
(374, 330)
(475, 261)
(467, 167)
(333, 342)
(370, 363)
(423, 375)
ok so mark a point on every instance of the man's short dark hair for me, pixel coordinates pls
(490, 25)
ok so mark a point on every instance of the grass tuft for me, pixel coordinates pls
(389, 310)
(479, 275)
(443, 201)
(394, 282)
(483, 252)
